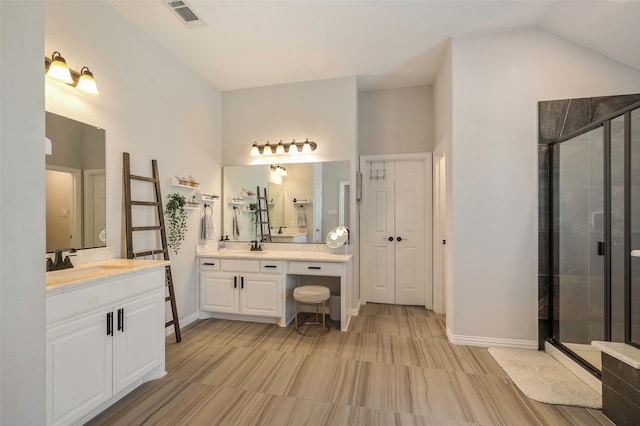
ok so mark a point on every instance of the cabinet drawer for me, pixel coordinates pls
(315, 268)
(274, 266)
(239, 265)
(209, 264)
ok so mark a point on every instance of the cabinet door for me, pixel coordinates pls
(218, 292)
(138, 339)
(260, 295)
(79, 367)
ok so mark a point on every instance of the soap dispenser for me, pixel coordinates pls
(221, 244)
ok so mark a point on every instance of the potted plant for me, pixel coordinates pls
(177, 216)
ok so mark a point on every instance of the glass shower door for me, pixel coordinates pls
(579, 241)
(632, 296)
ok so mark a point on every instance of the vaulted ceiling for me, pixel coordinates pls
(386, 44)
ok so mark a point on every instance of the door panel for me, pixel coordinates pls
(219, 292)
(410, 214)
(379, 271)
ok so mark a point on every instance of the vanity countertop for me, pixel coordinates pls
(267, 254)
(92, 272)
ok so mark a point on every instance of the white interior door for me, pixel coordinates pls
(396, 266)
(379, 270)
(440, 236)
(410, 214)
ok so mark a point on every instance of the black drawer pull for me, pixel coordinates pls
(314, 267)
(121, 319)
(209, 264)
(109, 323)
(242, 283)
(235, 282)
(270, 266)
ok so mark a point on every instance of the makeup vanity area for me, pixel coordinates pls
(304, 204)
(236, 283)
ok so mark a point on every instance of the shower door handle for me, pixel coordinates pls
(635, 253)
(600, 248)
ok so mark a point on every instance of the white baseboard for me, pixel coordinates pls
(489, 342)
(356, 311)
(183, 323)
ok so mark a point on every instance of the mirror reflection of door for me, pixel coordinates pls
(94, 208)
(63, 225)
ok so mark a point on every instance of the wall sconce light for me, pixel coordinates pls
(57, 68)
(292, 147)
(278, 169)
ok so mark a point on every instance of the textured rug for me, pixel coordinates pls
(542, 378)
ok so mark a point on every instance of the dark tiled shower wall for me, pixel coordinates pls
(558, 119)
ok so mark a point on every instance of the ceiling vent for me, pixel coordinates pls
(184, 12)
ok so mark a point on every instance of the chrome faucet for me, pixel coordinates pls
(58, 262)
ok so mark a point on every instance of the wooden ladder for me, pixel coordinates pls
(263, 216)
(130, 229)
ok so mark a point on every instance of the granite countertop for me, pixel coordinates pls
(320, 256)
(92, 272)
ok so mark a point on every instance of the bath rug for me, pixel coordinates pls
(540, 377)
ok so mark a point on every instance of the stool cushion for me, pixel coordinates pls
(311, 294)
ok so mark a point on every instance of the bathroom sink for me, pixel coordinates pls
(248, 252)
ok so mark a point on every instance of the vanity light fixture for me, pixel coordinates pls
(57, 68)
(278, 169)
(292, 147)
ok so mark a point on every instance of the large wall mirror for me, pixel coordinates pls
(320, 191)
(75, 184)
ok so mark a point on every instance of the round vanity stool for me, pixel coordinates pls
(311, 295)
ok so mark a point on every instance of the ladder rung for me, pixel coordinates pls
(148, 253)
(168, 323)
(166, 299)
(144, 178)
(144, 203)
(146, 228)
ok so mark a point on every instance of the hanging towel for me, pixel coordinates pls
(208, 231)
(236, 228)
(302, 217)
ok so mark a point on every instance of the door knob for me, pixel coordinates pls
(390, 238)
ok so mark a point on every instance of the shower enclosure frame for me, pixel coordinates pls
(605, 123)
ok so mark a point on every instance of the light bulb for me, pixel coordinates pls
(255, 151)
(58, 69)
(267, 149)
(280, 148)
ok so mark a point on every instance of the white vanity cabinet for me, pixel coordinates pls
(103, 340)
(242, 287)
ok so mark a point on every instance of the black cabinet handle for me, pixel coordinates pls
(444, 242)
(390, 238)
(121, 319)
(235, 282)
(242, 283)
(270, 266)
(109, 323)
(209, 264)
(314, 267)
(399, 239)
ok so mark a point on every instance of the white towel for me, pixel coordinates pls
(208, 230)
(302, 217)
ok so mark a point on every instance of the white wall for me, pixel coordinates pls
(22, 271)
(497, 81)
(150, 105)
(325, 111)
(396, 121)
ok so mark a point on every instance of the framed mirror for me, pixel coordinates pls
(75, 184)
(303, 205)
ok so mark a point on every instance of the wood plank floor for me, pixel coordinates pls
(394, 367)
